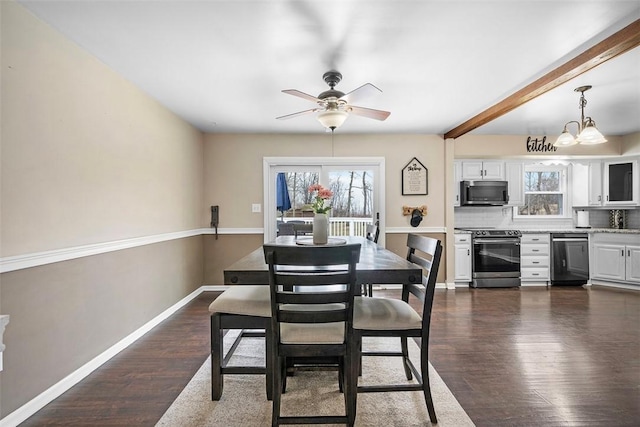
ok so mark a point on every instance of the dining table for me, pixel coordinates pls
(377, 264)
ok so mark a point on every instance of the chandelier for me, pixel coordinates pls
(587, 133)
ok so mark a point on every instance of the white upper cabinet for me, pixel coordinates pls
(476, 170)
(586, 183)
(515, 177)
(457, 177)
(620, 183)
(595, 183)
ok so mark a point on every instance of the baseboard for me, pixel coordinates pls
(34, 405)
(615, 285)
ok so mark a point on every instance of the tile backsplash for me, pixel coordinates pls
(502, 217)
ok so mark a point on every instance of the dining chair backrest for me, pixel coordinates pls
(302, 229)
(298, 277)
(312, 301)
(425, 252)
(372, 232)
(285, 229)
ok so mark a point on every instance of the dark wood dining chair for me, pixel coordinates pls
(389, 317)
(247, 308)
(312, 300)
(303, 229)
(372, 234)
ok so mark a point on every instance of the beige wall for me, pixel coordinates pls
(65, 314)
(86, 158)
(236, 160)
(631, 144)
(515, 146)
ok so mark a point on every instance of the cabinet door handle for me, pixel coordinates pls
(629, 253)
(536, 262)
(599, 198)
(468, 252)
(535, 240)
(535, 274)
(535, 250)
(623, 252)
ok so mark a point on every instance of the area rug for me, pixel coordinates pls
(244, 401)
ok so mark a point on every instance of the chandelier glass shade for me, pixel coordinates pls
(332, 119)
(587, 133)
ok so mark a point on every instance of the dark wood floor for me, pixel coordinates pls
(564, 356)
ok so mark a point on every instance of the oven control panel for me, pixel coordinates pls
(497, 233)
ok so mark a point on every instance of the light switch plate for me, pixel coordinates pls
(256, 208)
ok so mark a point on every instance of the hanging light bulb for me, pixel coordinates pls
(590, 135)
(565, 139)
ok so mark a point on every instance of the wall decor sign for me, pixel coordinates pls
(415, 178)
(540, 145)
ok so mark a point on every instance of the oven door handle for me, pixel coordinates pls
(497, 241)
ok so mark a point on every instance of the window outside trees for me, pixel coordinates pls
(544, 191)
(352, 193)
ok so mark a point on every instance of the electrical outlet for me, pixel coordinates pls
(256, 208)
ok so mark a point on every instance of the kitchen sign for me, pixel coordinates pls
(540, 146)
(414, 178)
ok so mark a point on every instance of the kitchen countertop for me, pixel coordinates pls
(584, 230)
(566, 230)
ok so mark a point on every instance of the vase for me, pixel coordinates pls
(320, 229)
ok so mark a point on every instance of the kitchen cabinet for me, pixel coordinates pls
(515, 177)
(534, 257)
(457, 177)
(586, 184)
(478, 169)
(462, 257)
(594, 182)
(620, 183)
(615, 257)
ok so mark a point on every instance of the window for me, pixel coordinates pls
(545, 192)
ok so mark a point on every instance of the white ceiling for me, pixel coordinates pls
(221, 64)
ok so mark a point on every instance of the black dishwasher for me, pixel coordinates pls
(569, 258)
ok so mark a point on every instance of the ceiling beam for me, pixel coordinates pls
(618, 43)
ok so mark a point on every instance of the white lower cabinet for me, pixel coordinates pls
(463, 258)
(534, 257)
(615, 257)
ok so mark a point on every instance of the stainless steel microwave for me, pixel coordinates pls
(484, 193)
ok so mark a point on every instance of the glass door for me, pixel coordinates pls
(353, 199)
(356, 185)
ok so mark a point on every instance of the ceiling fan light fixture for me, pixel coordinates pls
(332, 119)
(590, 135)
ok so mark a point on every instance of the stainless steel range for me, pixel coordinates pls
(496, 258)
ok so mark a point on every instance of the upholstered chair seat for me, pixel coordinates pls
(247, 308)
(384, 314)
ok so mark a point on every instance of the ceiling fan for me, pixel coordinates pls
(334, 106)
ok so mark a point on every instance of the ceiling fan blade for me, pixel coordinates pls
(363, 92)
(369, 112)
(303, 95)
(299, 113)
